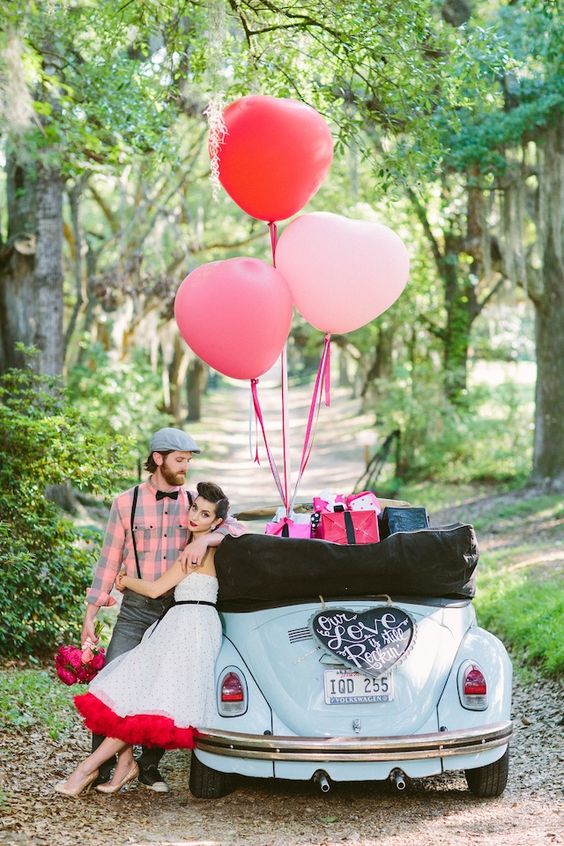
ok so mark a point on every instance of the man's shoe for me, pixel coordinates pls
(152, 779)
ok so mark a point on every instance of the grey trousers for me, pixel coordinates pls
(136, 615)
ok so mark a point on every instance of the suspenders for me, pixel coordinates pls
(133, 507)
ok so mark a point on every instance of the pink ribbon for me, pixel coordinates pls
(322, 385)
(282, 488)
(273, 240)
(271, 461)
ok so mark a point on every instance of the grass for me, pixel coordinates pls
(34, 698)
(520, 595)
(528, 615)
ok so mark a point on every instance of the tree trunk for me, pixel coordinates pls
(548, 454)
(459, 306)
(31, 269)
(49, 272)
(456, 339)
(17, 301)
(177, 378)
(380, 366)
(195, 384)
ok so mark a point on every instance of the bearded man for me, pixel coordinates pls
(148, 530)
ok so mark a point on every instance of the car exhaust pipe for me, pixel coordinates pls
(398, 779)
(322, 780)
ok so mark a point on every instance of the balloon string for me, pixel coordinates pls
(273, 468)
(253, 430)
(321, 385)
(284, 374)
(285, 457)
(327, 381)
(273, 240)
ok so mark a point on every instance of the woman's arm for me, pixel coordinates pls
(166, 582)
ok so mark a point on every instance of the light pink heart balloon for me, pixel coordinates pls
(342, 273)
(235, 315)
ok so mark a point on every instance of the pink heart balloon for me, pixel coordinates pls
(235, 315)
(342, 273)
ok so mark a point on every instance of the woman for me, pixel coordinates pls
(156, 693)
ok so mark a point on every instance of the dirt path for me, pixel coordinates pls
(336, 461)
(437, 811)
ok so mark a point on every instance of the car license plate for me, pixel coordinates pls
(346, 687)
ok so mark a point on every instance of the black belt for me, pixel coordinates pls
(192, 602)
(182, 602)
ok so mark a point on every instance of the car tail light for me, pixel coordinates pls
(472, 687)
(231, 693)
(231, 688)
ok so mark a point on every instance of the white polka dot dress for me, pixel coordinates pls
(158, 692)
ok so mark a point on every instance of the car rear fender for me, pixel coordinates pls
(488, 652)
(257, 718)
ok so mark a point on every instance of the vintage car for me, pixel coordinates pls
(355, 663)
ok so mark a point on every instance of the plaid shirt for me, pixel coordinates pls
(161, 533)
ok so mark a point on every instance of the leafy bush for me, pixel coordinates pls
(118, 396)
(45, 562)
(486, 439)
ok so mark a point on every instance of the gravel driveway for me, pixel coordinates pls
(437, 811)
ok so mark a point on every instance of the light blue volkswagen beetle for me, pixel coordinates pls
(344, 663)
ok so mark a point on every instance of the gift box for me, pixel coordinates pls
(289, 528)
(364, 501)
(348, 527)
(407, 519)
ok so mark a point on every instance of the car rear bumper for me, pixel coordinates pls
(409, 747)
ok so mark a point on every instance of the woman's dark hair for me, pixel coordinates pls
(150, 465)
(213, 493)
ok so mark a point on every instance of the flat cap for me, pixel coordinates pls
(170, 439)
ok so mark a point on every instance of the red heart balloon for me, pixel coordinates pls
(275, 155)
(235, 315)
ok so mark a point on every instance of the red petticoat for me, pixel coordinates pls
(139, 730)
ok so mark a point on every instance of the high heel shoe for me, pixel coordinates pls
(113, 788)
(84, 787)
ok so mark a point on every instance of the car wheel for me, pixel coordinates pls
(206, 783)
(490, 780)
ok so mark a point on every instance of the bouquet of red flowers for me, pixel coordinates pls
(79, 665)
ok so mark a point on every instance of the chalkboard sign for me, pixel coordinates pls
(369, 641)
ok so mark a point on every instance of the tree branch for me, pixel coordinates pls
(424, 221)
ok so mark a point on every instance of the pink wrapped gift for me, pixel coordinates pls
(348, 527)
(288, 528)
(365, 501)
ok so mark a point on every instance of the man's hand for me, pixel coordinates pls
(89, 625)
(119, 585)
(193, 554)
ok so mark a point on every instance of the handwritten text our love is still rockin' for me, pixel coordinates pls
(372, 641)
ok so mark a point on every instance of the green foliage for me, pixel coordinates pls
(31, 698)
(531, 95)
(45, 562)
(118, 396)
(101, 96)
(485, 439)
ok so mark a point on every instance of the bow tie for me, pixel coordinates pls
(171, 494)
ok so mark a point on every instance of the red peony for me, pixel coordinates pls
(98, 660)
(75, 665)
